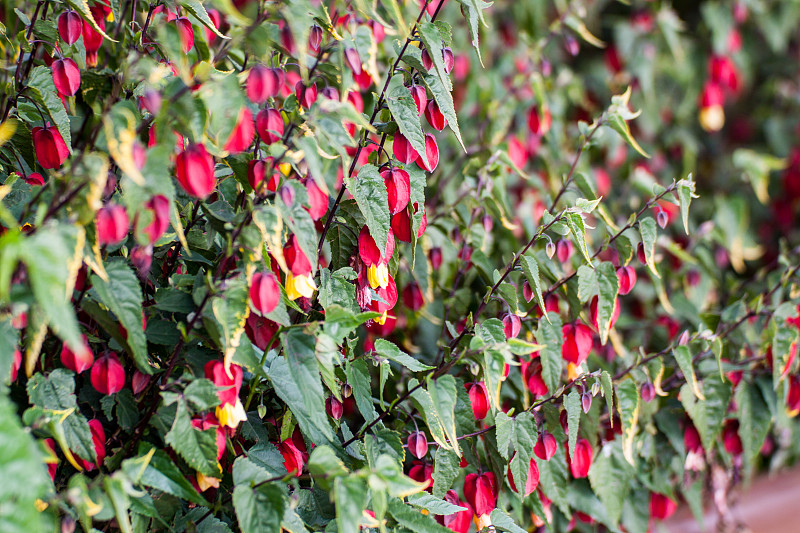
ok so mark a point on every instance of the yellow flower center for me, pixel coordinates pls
(297, 286)
(230, 415)
(378, 276)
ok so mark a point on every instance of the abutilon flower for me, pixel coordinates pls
(460, 521)
(388, 294)
(402, 149)
(431, 154)
(420, 97)
(421, 473)
(15, 365)
(793, 398)
(478, 398)
(209, 421)
(661, 506)
(256, 173)
(398, 189)
(194, 168)
(216, 20)
(34, 179)
(353, 60)
(77, 362)
(334, 407)
(138, 382)
(418, 444)
(532, 376)
(317, 200)
(92, 39)
(300, 279)
(108, 374)
(375, 260)
(539, 124)
(511, 325)
(314, 38)
(186, 33)
(306, 96)
(269, 125)
(731, 439)
(292, 457)
(594, 316)
(263, 83)
(533, 478)
(158, 205)
(577, 342)
(546, 446)
(66, 76)
(627, 279)
(243, 132)
(401, 224)
(723, 72)
(712, 114)
(69, 26)
(412, 296)
(99, 443)
(260, 330)
(112, 224)
(230, 411)
(580, 464)
(564, 249)
(480, 491)
(363, 79)
(265, 292)
(434, 115)
(51, 150)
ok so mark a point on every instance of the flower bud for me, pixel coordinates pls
(139, 382)
(480, 491)
(159, 206)
(265, 292)
(314, 39)
(242, 134)
(34, 179)
(66, 76)
(112, 224)
(195, 171)
(511, 325)
(269, 125)
(420, 97)
(662, 219)
(353, 60)
(479, 398)
(292, 457)
(546, 446)
(77, 362)
(434, 116)
(564, 250)
(402, 149)
(539, 124)
(648, 392)
(449, 59)
(412, 296)
(51, 150)
(334, 408)
(427, 62)
(627, 279)
(431, 154)
(418, 444)
(69, 26)
(263, 83)
(317, 200)
(16, 363)
(595, 318)
(436, 258)
(108, 374)
(550, 249)
(731, 439)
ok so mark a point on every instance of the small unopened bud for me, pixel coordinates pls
(334, 408)
(67, 524)
(418, 444)
(586, 401)
(347, 390)
(648, 392)
(684, 338)
(262, 410)
(287, 195)
(662, 219)
(550, 249)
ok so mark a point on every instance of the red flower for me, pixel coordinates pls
(34, 179)
(460, 521)
(15, 364)
(77, 362)
(532, 376)
(401, 224)
(138, 382)
(216, 19)
(412, 296)
(317, 200)
(112, 224)
(99, 442)
(263, 83)
(375, 260)
(431, 154)
(546, 446)
(595, 318)
(388, 294)
(420, 97)
(186, 33)
(108, 374)
(51, 467)
(577, 342)
(306, 96)
(511, 325)
(69, 26)
(292, 457)
(209, 421)
(242, 134)
(195, 171)
(533, 478)
(661, 507)
(539, 124)
(334, 408)
(269, 125)
(731, 439)
(92, 39)
(230, 411)
(480, 492)
(580, 464)
(793, 398)
(402, 149)
(421, 473)
(265, 292)
(256, 173)
(260, 330)
(479, 398)
(712, 114)
(627, 279)
(314, 38)
(66, 76)
(299, 281)
(51, 150)
(159, 206)
(418, 444)
(434, 116)
(353, 60)
(398, 189)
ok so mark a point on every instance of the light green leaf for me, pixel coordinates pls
(154, 468)
(443, 393)
(603, 283)
(432, 39)
(573, 407)
(445, 470)
(474, 14)
(608, 393)
(684, 358)
(549, 334)
(350, 497)
(647, 227)
(575, 223)
(231, 308)
(610, 477)
(390, 351)
(404, 112)
(628, 406)
(685, 195)
(434, 505)
(531, 269)
(618, 124)
(369, 191)
(260, 508)
(413, 519)
(198, 448)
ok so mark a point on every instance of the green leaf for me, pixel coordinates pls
(260, 508)
(628, 407)
(9, 341)
(707, 415)
(444, 393)
(549, 334)
(199, 12)
(122, 294)
(474, 14)
(754, 419)
(231, 308)
(553, 479)
(445, 102)
(434, 505)
(603, 283)
(198, 448)
(445, 471)
(756, 168)
(531, 269)
(618, 124)
(23, 469)
(504, 431)
(685, 195)
(575, 223)
(647, 227)
(610, 477)
(154, 468)
(503, 522)
(390, 351)
(369, 191)
(350, 497)
(42, 89)
(608, 393)
(404, 112)
(684, 358)
(323, 462)
(432, 39)
(358, 378)
(115, 490)
(296, 380)
(573, 407)
(413, 519)
(421, 399)
(202, 394)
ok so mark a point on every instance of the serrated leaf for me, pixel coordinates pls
(198, 448)
(707, 415)
(404, 112)
(531, 269)
(603, 283)
(444, 393)
(369, 191)
(684, 358)
(358, 378)
(434, 505)
(608, 393)
(474, 15)
(573, 406)
(122, 294)
(154, 468)
(628, 406)
(199, 12)
(754, 419)
(619, 124)
(390, 351)
(685, 195)
(548, 333)
(231, 309)
(82, 6)
(421, 399)
(504, 522)
(444, 99)
(260, 508)
(432, 39)
(504, 432)
(610, 478)
(413, 519)
(350, 497)
(647, 227)
(575, 223)
(445, 470)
